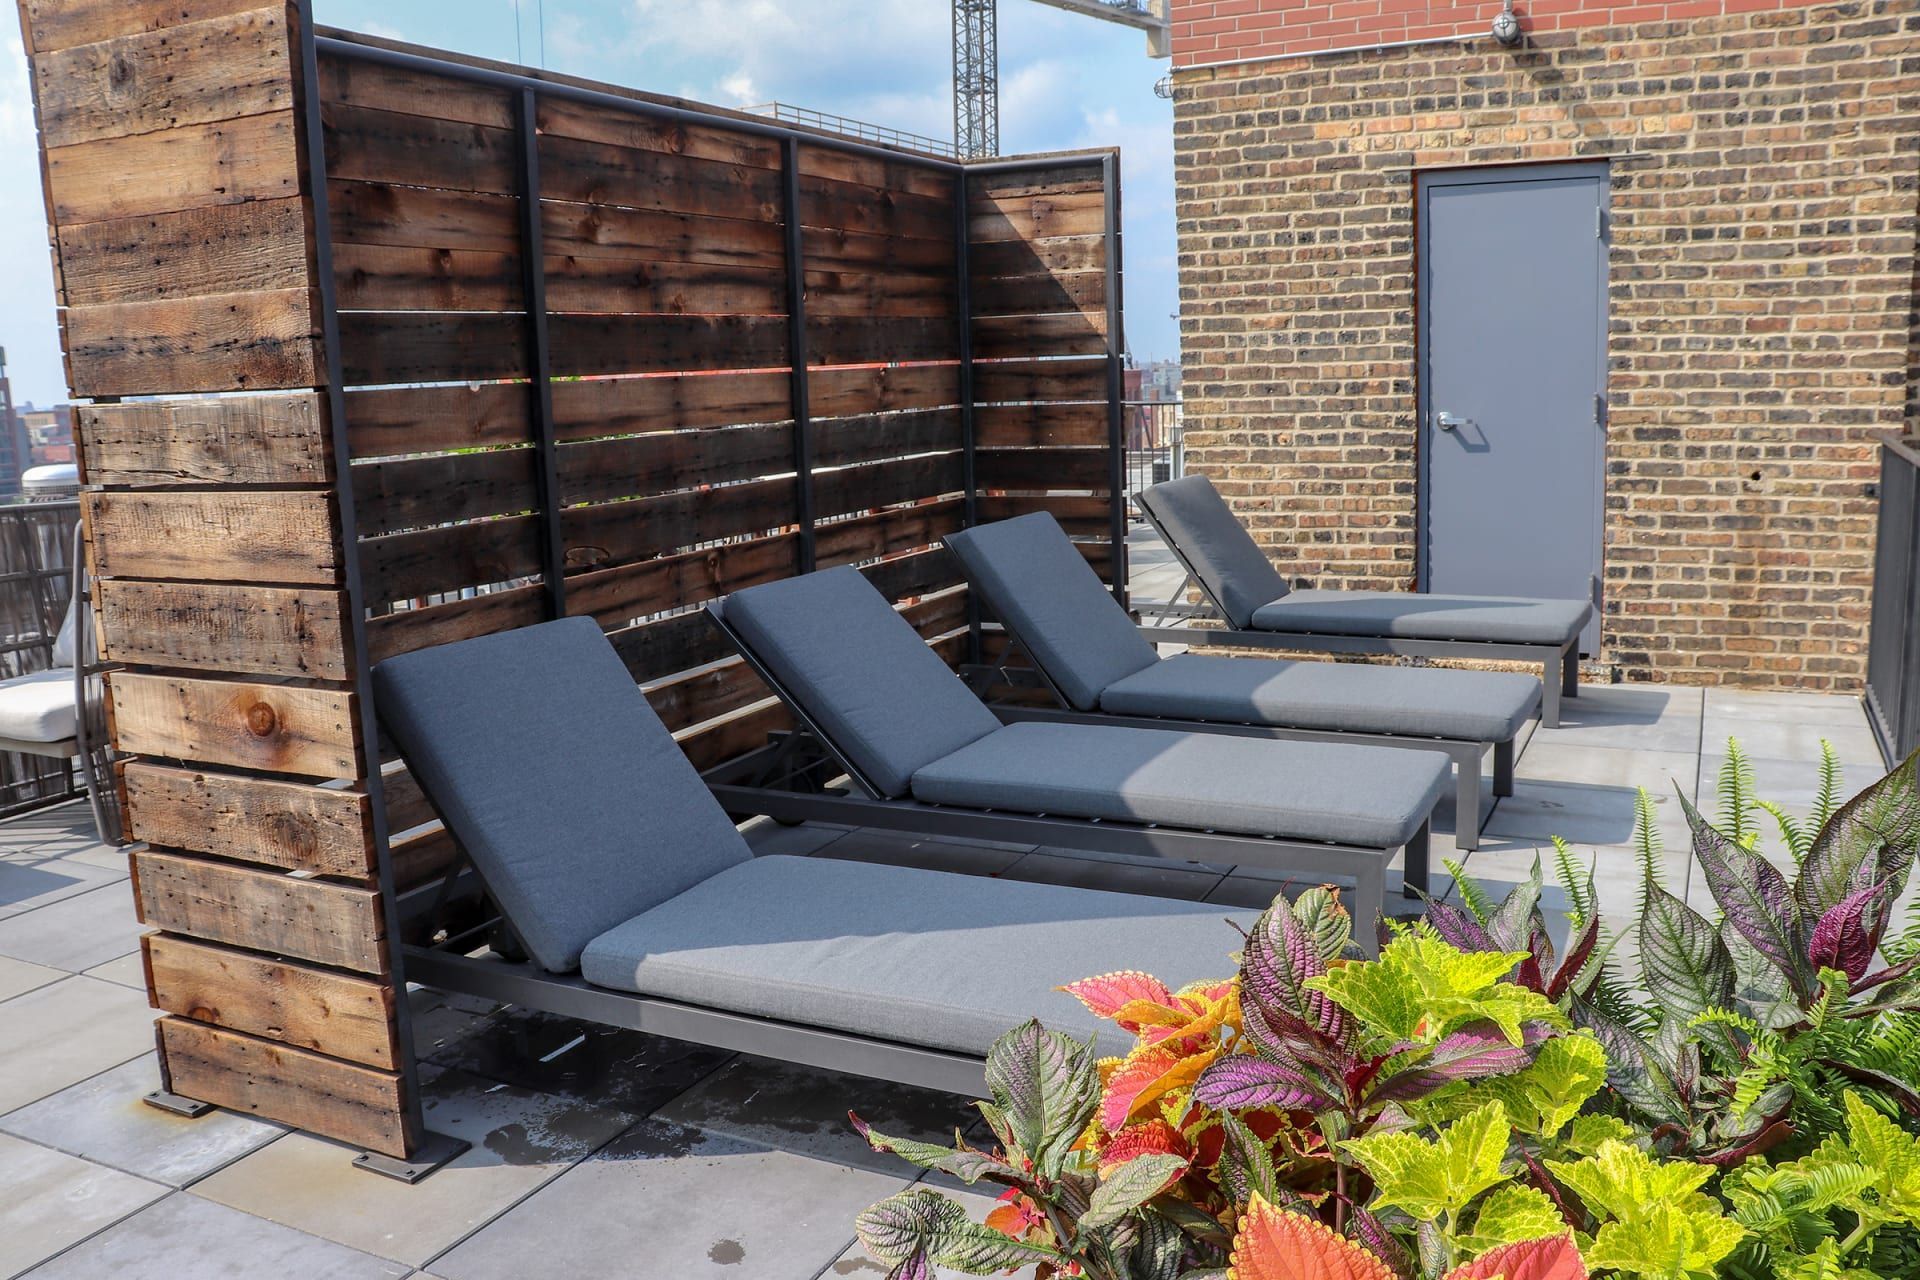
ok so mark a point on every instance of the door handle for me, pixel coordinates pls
(1449, 421)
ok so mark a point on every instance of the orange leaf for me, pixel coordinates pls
(1145, 1077)
(1548, 1258)
(1274, 1244)
(1109, 993)
(1155, 1137)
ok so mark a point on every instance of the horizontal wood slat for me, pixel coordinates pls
(224, 536)
(277, 728)
(232, 440)
(191, 167)
(278, 631)
(316, 920)
(1006, 381)
(290, 825)
(220, 342)
(293, 1004)
(355, 1104)
(220, 249)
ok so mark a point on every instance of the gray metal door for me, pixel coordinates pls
(1513, 326)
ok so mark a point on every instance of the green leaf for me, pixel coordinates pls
(1565, 1072)
(1667, 1242)
(1736, 788)
(1326, 924)
(926, 1221)
(1683, 962)
(1246, 1164)
(960, 1160)
(1619, 1179)
(1431, 1179)
(1046, 1086)
(1128, 1187)
(1587, 1133)
(1511, 1214)
(1421, 988)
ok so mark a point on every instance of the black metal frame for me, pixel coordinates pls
(1559, 664)
(798, 354)
(1116, 378)
(534, 272)
(754, 796)
(1893, 642)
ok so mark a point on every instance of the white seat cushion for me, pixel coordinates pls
(38, 708)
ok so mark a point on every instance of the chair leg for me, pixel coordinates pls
(91, 776)
(1570, 671)
(1550, 677)
(1466, 802)
(1413, 863)
(1503, 761)
(1370, 904)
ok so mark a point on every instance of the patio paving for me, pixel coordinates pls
(599, 1152)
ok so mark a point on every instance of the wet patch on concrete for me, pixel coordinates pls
(608, 1066)
(726, 1253)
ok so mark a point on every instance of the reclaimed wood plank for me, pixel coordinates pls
(837, 249)
(863, 339)
(291, 825)
(365, 144)
(845, 392)
(273, 631)
(894, 173)
(670, 402)
(840, 442)
(231, 440)
(1010, 337)
(317, 920)
(265, 536)
(387, 213)
(225, 162)
(405, 630)
(576, 169)
(323, 1095)
(876, 210)
(1020, 381)
(408, 565)
(62, 24)
(563, 118)
(989, 259)
(219, 68)
(582, 229)
(1042, 468)
(224, 342)
(385, 421)
(404, 493)
(1083, 291)
(860, 293)
(1031, 425)
(378, 277)
(294, 1004)
(219, 249)
(277, 728)
(1081, 515)
(589, 346)
(1039, 215)
(621, 285)
(356, 82)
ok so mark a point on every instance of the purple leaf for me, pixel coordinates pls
(1579, 951)
(1755, 896)
(1458, 927)
(1243, 1082)
(1381, 1243)
(1846, 937)
(1471, 1053)
(915, 1267)
(1871, 838)
(1277, 961)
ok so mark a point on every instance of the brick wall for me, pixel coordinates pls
(1762, 277)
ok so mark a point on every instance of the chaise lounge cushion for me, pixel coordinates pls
(860, 671)
(507, 731)
(1338, 697)
(895, 953)
(1407, 615)
(37, 707)
(1215, 545)
(1038, 583)
(1367, 796)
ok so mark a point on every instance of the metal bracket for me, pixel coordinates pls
(438, 1149)
(174, 1104)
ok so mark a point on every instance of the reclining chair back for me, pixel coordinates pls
(575, 804)
(1215, 547)
(1038, 584)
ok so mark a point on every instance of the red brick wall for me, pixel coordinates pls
(1762, 296)
(1210, 31)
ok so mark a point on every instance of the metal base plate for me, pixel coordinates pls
(174, 1104)
(436, 1151)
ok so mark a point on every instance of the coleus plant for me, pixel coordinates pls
(1274, 1244)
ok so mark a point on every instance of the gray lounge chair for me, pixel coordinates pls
(1242, 590)
(929, 757)
(1101, 670)
(636, 903)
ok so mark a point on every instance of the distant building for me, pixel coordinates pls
(49, 433)
(13, 437)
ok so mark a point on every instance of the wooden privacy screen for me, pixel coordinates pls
(447, 350)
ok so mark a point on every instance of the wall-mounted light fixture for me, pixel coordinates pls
(1506, 26)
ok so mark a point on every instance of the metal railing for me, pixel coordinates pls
(1893, 646)
(885, 135)
(1155, 452)
(36, 548)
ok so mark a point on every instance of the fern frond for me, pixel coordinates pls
(1827, 799)
(1796, 837)
(1472, 896)
(1735, 788)
(1646, 847)
(1577, 882)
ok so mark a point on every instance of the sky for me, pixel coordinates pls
(1066, 81)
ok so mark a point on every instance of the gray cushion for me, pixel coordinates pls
(574, 802)
(919, 957)
(1416, 616)
(1040, 586)
(1370, 797)
(1214, 545)
(860, 671)
(1474, 706)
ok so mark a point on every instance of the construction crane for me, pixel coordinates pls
(976, 61)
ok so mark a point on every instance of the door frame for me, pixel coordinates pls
(1474, 175)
